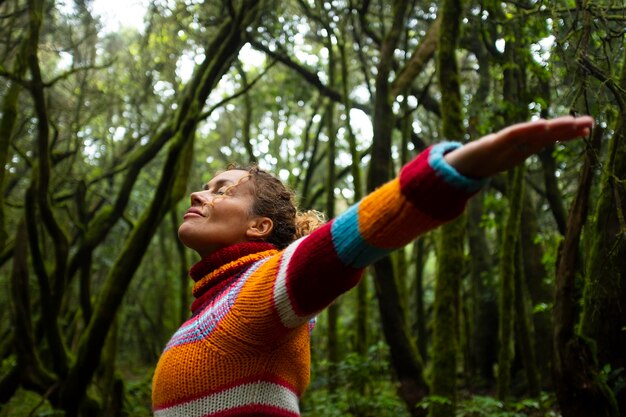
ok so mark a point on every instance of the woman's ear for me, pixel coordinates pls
(259, 228)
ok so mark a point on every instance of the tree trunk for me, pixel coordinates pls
(450, 256)
(183, 273)
(29, 369)
(553, 194)
(420, 310)
(523, 325)
(604, 313)
(484, 305)
(580, 390)
(507, 284)
(332, 313)
(539, 291)
(450, 260)
(404, 357)
(361, 343)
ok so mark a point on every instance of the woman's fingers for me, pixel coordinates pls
(544, 132)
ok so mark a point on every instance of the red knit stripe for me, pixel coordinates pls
(315, 275)
(255, 410)
(431, 195)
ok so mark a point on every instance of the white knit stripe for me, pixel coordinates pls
(256, 393)
(288, 316)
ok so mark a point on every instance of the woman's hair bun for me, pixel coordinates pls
(308, 221)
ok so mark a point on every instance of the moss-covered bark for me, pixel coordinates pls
(483, 304)
(450, 257)
(54, 286)
(30, 370)
(604, 307)
(332, 313)
(404, 357)
(539, 291)
(524, 327)
(420, 308)
(450, 264)
(580, 389)
(361, 342)
(507, 285)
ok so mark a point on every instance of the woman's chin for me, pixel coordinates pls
(186, 234)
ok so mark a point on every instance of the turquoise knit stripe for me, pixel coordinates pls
(437, 161)
(350, 246)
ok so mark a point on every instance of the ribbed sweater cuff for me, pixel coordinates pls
(446, 171)
(434, 186)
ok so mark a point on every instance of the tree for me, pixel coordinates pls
(67, 381)
(450, 257)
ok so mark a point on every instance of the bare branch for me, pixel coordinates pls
(241, 92)
(415, 65)
(75, 70)
(8, 74)
(618, 91)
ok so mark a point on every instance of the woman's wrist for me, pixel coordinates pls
(440, 162)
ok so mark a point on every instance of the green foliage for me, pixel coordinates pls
(614, 378)
(486, 406)
(138, 399)
(365, 389)
(431, 400)
(28, 404)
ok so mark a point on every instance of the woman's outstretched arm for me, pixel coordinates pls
(430, 190)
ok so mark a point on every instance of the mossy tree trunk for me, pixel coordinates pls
(539, 293)
(483, 315)
(421, 333)
(332, 313)
(482, 298)
(404, 356)
(450, 254)
(580, 389)
(523, 325)
(580, 386)
(361, 337)
(604, 312)
(8, 121)
(516, 97)
(507, 285)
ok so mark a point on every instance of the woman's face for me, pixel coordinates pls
(221, 214)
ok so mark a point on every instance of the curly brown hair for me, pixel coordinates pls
(275, 200)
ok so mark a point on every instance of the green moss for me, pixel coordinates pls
(28, 404)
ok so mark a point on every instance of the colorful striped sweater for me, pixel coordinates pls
(245, 350)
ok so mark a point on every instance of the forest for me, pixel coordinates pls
(517, 308)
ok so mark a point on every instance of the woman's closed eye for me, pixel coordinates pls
(220, 191)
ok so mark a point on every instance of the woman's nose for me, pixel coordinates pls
(198, 198)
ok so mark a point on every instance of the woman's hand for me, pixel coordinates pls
(509, 147)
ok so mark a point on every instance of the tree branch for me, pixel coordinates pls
(617, 90)
(75, 70)
(423, 53)
(241, 92)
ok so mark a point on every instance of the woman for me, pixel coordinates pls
(245, 350)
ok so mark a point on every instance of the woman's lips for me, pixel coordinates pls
(193, 212)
